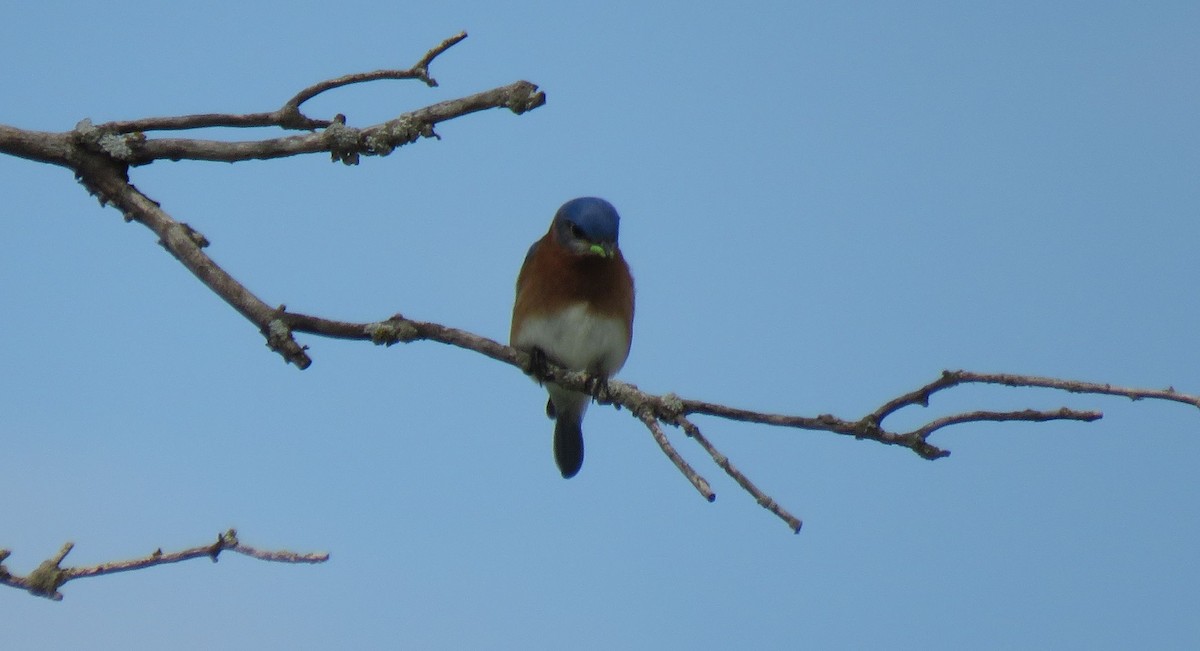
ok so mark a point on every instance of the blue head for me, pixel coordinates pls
(587, 226)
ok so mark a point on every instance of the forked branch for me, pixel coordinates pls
(654, 410)
(287, 116)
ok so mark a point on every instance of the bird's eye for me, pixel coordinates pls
(577, 232)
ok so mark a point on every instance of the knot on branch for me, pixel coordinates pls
(96, 153)
(290, 117)
(46, 579)
(670, 406)
(194, 235)
(117, 146)
(277, 332)
(343, 141)
(868, 428)
(279, 339)
(645, 413)
(227, 540)
(181, 231)
(49, 576)
(525, 97)
(928, 451)
(393, 331)
(397, 133)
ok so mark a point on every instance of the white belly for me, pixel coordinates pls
(577, 339)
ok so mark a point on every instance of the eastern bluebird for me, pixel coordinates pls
(574, 306)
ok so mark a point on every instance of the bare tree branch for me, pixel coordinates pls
(343, 142)
(125, 143)
(101, 155)
(51, 575)
(670, 409)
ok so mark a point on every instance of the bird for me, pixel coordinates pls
(574, 306)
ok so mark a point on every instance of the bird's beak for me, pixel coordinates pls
(602, 250)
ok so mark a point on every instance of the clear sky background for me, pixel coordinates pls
(825, 204)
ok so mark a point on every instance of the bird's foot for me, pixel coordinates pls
(597, 386)
(537, 366)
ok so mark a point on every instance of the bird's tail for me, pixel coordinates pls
(568, 444)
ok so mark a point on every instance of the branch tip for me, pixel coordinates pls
(422, 66)
(646, 415)
(62, 553)
(528, 99)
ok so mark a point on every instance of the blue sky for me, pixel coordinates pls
(823, 204)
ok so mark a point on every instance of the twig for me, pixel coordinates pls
(419, 71)
(1031, 415)
(951, 378)
(287, 116)
(660, 437)
(46, 580)
(725, 464)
